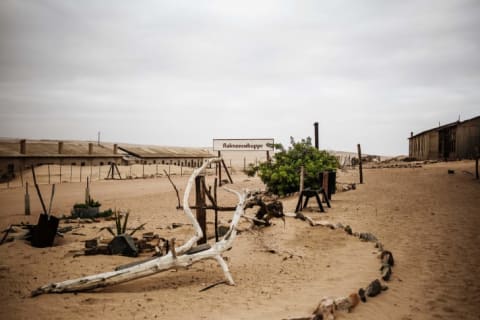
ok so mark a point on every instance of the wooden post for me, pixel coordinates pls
(316, 134)
(219, 170)
(87, 191)
(81, 172)
(51, 201)
(27, 200)
(118, 170)
(268, 156)
(325, 185)
(61, 164)
(71, 170)
(143, 169)
(216, 208)
(48, 167)
(226, 171)
(302, 179)
(38, 191)
(360, 162)
(201, 212)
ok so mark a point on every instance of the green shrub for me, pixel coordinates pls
(90, 203)
(282, 175)
(251, 170)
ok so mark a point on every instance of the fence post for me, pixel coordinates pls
(201, 212)
(360, 162)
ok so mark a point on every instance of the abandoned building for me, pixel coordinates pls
(456, 140)
(177, 156)
(16, 155)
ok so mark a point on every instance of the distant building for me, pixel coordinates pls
(177, 156)
(16, 155)
(456, 140)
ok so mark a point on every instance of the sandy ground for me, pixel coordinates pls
(429, 220)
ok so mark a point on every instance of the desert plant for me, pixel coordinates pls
(251, 170)
(121, 226)
(91, 203)
(281, 175)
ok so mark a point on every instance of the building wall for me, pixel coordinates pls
(20, 162)
(468, 137)
(425, 146)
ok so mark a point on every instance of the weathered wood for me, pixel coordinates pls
(219, 170)
(6, 234)
(174, 187)
(165, 262)
(38, 190)
(51, 200)
(118, 171)
(201, 213)
(216, 208)
(359, 149)
(226, 170)
(87, 191)
(27, 200)
(206, 207)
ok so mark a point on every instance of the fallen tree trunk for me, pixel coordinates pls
(178, 257)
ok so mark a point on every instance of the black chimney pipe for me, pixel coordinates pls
(316, 134)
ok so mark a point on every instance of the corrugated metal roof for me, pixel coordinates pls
(49, 148)
(456, 123)
(148, 151)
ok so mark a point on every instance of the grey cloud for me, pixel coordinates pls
(379, 69)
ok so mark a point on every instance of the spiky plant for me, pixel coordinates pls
(121, 226)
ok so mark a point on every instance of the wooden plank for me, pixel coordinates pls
(226, 170)
(360, 162)
(38, 190)
(201, 212)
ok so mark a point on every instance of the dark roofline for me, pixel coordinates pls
(448, 125)
(164, 156)
(63, 156)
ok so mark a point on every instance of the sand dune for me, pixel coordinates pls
(426, 217)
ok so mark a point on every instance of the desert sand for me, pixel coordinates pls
(429, 220)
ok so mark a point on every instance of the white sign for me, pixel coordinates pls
(243, 144)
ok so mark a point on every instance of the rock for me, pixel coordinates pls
(348, 230)
(124, 245)
(366, 236)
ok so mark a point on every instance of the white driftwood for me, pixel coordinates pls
(176, 258)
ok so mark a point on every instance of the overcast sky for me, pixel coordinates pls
(184, 72)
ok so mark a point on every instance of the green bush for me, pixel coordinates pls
(90, 203)
(251, 170)
(282, 175)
